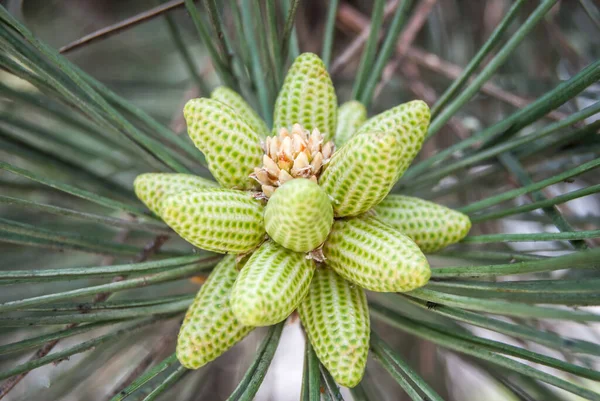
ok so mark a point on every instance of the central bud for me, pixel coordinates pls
(296, 154)
(299, 215)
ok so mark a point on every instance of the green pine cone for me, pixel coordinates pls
(154, 188)
(299, 215)
(361, 173)
(375, 256)
(350, 116)
(430, 225)
(210, 328)
(271, 285)
(231, 98)
(307, 97)
(232, 149)
(409, 122)
(218, 220)
(335, 316)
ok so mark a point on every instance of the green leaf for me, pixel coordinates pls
(576, 260)
(167, 383)
(146, 377)
(392, 361)
(489, 70)
(331, 391)
(256, 68)
(388, 365)
(25, 276)
(82, 347)
(101, 200)
(33, 342)
(465, 347)
(521, 118)
(507, 195)
(517, 331)
(369, 50)
(388, 47)
(111, 115)
(221, 66)
(116, 314)
(311, 381)
(502, 307)
(289, 41)
(567, 236)
(248, 387)
(476, 60)
(329, 32)
(149, 226)
(557, 200)
(172, 274)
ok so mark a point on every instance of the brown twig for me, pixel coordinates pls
(350, 18)
(414, 82)
(353, 19)
(414, 25)
(44, 350)
(452, 71)
(121, 26)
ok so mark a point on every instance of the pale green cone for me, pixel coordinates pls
(154, 188)
(210, 328)
(271, 285)
(307, 97)
(218, 220)
(430, 225)
(350, 116)
(299, 215)
(375, 256)
(409, 122)
(361, 173)
(232, 99)
(232, 149)
(335, 316)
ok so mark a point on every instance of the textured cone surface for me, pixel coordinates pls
(361, 173)
(271, 285)
(375, 256)
(232, 149)
(232, 99)
(409, 122)
(430, 225)
(299, 215)
(218, 220)
(154, 188)
(210, 328)
(336, 319)
(350, 116)
(307, 97)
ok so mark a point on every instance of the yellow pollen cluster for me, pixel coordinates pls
(296, 154)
